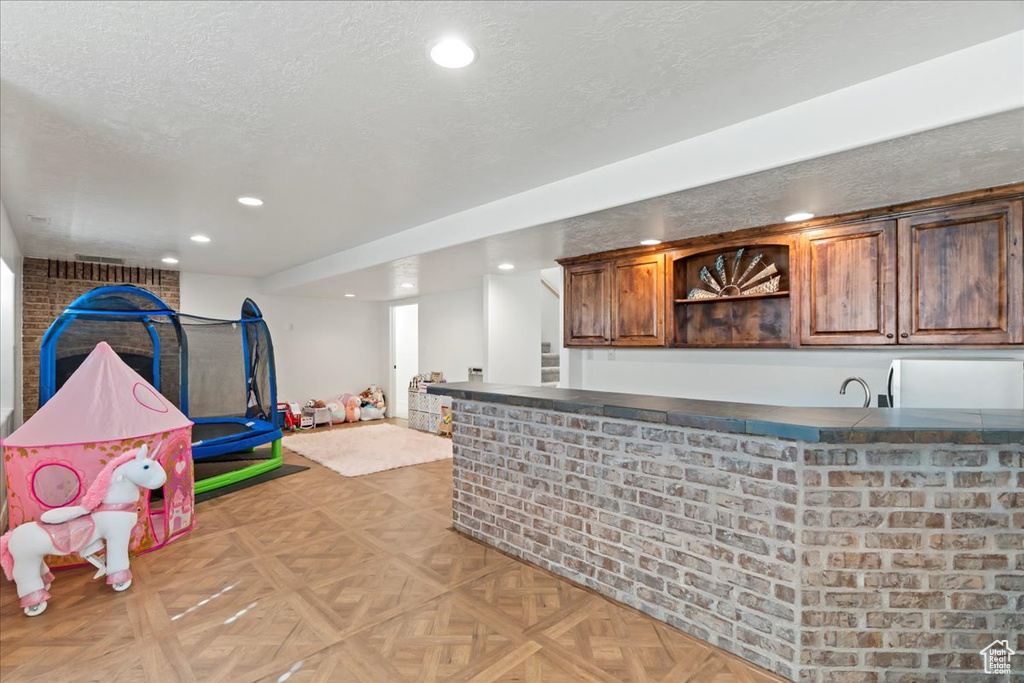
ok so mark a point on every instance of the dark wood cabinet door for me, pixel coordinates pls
(587, 304)
(638, 301)
(848, 285)
(962, 275)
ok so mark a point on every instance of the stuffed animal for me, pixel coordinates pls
(373, 396)
(352, 409)
(315, 403)
(373, 403)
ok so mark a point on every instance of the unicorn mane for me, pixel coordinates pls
(98, 491)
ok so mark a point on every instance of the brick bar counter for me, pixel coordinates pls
(823, 544)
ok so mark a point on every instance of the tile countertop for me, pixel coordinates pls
(823, 425)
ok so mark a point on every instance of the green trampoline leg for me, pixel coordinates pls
(221, 480)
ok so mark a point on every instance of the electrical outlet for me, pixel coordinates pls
(611, 354)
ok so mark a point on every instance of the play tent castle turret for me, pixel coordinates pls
(103, 410)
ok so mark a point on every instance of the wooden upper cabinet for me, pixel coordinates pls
(848, 285)
(638, 301)
(944, 271)
(587, 305)
(962, 275)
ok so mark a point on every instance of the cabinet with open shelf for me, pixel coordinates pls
(732, 295)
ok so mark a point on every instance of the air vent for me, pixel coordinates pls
(40, 221)
(100, 259)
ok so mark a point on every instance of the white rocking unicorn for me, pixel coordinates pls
(108, 512)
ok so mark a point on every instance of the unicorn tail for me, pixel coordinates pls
(6, 560)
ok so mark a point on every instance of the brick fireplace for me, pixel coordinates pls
(50, 285)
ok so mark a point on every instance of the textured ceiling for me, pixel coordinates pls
(972, 155)
(133, 125)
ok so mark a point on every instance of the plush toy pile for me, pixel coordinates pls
(369, 405)
(372, 403)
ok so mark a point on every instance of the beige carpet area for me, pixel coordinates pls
(369, 449)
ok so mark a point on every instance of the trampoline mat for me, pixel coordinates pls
(282, 471)
(208, 431)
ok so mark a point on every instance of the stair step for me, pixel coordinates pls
(545, 347)
(549, 375)
(549, 360)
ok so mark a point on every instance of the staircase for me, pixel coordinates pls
(549, 365)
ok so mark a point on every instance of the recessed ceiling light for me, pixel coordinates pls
(407, 285)
(200, 238)
(506, 266)
(349, 296)
(799, 216)
(250, 201)
(169, 259)
(650, 243)
(452, 53)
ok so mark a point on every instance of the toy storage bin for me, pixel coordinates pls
(426, 416)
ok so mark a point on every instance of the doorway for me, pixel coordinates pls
(405, 351)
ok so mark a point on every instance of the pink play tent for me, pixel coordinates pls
(103, 410)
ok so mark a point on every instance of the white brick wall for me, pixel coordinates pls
(776, 550)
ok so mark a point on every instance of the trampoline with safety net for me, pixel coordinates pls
(220, 373)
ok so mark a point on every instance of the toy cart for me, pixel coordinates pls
(289, 416)
(317, 416)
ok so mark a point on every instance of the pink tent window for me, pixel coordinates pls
(148, 398)
(55, 484)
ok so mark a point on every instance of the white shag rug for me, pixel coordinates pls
(371, 448)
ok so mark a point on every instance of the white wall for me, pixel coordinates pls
(551, 308)
(512, 325)
(10, 342)
(451, 332)
(323, 347)
(776, 377)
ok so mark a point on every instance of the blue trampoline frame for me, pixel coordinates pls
(259, 431)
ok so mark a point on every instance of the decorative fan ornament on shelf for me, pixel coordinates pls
(737, 284)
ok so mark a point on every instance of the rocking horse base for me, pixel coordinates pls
(120, 581)
(35, 610)
(35, 602)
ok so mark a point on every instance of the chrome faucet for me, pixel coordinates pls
(867, 389)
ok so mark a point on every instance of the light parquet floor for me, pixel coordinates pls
(320, 578)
